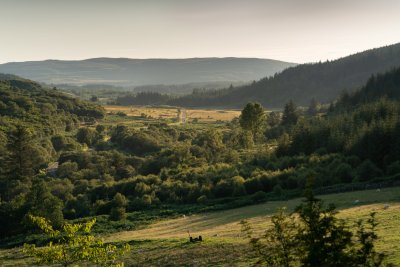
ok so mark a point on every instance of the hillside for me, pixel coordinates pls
(322, 81)
(26, 102)
(365, 123)
(134, 72)
(165, 242)
(378, 86)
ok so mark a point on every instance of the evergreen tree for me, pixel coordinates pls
(290, 114)
(22, 160)
(40, 202)
(323, 238)
(118, 210)
(316, 238)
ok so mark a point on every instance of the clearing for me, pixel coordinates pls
(200, 115)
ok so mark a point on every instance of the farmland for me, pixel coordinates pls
(171, 113)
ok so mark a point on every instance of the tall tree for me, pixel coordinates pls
(22, 160)
(316, 238)
(41, 202)
(290, 114)
(253, 119)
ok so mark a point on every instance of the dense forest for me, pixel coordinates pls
(323, 81)
(30, 119)
(116, 169)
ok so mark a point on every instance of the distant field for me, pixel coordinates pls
(165, 243)
(201, 115)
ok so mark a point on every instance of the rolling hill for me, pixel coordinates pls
(322, 81)
(135, 72)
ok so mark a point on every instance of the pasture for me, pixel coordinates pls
(165, 243)
(175, 113)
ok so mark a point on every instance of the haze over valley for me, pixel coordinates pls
(135, 72)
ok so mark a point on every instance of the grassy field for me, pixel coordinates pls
(200, 115)
(165, 243)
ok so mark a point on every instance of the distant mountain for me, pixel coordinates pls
(135, 72)
(322, 81)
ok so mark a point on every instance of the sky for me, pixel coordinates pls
(290, 30)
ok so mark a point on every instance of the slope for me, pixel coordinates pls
(322, 81)
(133, 72)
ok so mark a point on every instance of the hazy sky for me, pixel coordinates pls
(291, 30)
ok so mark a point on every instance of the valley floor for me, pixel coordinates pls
(165, 243)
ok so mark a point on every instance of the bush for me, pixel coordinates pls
(117, 214)
(87, 136)
(258, 197)
(343, 173)
(393, 168)
(278, 191)
(121, 114)
(367, 171)
(202, 199)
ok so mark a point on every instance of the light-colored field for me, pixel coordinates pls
(165, 243)
(221, 230)
(202, 115)
(226, 223)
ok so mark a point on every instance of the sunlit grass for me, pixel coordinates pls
(165, 243)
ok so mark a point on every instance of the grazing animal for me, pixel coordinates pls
(196, 239)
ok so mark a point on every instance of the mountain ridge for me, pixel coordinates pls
(323, 81)
(137, 72)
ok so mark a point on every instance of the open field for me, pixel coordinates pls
(201, 115)
(226, 223)
(165, 243)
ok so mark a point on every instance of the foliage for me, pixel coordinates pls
(303, 82)
(290, 114)
(87, 136)
(73, 244)
(315, 237)
(277, 246)
(365, 124)
(118, 209)
(143, 98)
(141, 166)
(252, 119)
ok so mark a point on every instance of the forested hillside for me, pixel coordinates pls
(321, 81)
(127, 171)
(30, 119)
(365, 123)
(26, 102)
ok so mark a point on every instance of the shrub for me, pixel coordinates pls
(367, 171)
(259, 196)
(393, 168)
(202, 199)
